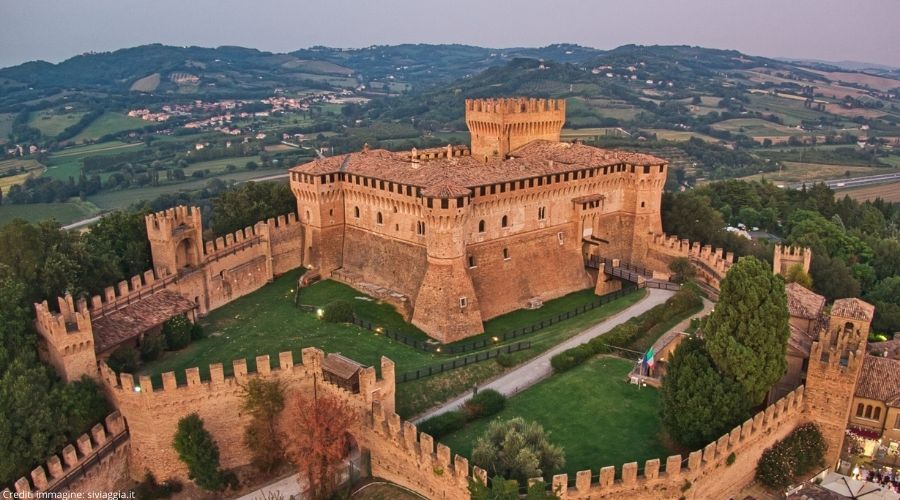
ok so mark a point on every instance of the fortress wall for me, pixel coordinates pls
(543, 263)
(238, 265)
(704, 474)
(383, 261)
(98, 461)
(153, 412)
(285, 243)
(786, 257)
(711, 263)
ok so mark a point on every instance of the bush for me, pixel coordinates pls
(339, 311)
(197, 332)
(152, 347)
(443, 424)
(505, 360)
(197, 449)
(484, 404)
(795, 455)
(177, 332)
(124, 359)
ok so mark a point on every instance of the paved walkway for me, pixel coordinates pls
(539, 368)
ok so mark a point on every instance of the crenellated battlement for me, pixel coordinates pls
(515, 105)
(68, 322)
(104, 442)
(127, 292)
(654, 481)
(787, 257)
(164, 224)
(713, 263)
(236, 241)
(67, 337)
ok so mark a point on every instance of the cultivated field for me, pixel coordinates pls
(67, 163)
(146, 84)
(51, 123)
(108, 123)
(873, 81)
(793, 171)
(888, 192)
(64, 213)
(19, 170)
(755, 127)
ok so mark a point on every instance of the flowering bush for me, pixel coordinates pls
(795, 455)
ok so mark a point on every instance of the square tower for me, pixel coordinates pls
(176, 239)
(498, 126)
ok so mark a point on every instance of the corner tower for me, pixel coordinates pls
(67, 338)
(498, 126)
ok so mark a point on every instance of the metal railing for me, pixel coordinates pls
(461, 362)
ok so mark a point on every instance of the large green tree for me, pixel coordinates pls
(517, 449)
(747, 332)
(197, 449)
(250, 203)
(698, 403)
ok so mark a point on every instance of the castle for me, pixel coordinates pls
(454, 236)
(460, 236)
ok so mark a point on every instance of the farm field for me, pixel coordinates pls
(810, 172)
(888, 192)
(755, 127)
(220, 165)
(67, 163)
(876, 82)
(791, 111)
(146, 84)
(108, 123)
(51, 123)
(607, 420)
(64, 213)
(30, 167)
(679, 135)
(126, 197)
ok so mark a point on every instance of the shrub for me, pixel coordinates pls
(339, 311)
(197, 332)
(484, 404)
(152, 347)
(443, 424)
(124, 359)
(505, 360)
(795, 455)
(177, 332)
(197, 449)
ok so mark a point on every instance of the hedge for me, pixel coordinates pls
(795, 455)
(443, 424)
(652, 322)
(338, 311)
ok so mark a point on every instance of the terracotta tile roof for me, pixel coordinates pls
(534, 159)
(802, 302)
(853, 308)
(589, 197)
(341, 366)
(138, 317)
(800, 341)
(879, 379)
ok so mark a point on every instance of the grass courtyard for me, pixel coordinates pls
(591, 411)
(266, 322)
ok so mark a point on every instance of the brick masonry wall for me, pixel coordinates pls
(383, 261)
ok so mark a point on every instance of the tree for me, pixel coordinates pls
(197, 449)
(885, 296)
(249, 203)
(16, 335)
(122, 238)
(746, 334)
(517, 449)
(82, 405)
(698, 403)
(796, 274)
(682, 269)
(177, 332)
(832, 278)
(316, 438)
(264, 401)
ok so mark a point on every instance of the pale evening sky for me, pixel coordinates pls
(53, 30)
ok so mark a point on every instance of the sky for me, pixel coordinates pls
(54, 30)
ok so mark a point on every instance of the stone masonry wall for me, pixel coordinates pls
(386, 262)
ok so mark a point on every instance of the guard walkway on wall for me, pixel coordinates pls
(643, 277)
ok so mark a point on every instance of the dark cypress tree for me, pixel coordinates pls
(197, 449)
(746, 335)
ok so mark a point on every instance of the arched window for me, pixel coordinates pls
(859, 409)
(379, 219)
(356, 212)
(868, 411)
(877, 414)
(481, 226)
(504, 221)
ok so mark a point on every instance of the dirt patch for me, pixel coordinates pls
(888, 192)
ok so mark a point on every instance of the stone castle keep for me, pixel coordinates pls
(460, 236)
(450, 236)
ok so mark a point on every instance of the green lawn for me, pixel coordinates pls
(109, 123)
(591, 411)
(64, 213)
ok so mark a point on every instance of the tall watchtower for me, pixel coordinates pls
(787, 257)
(67, 338)
(498, 126)
(176, 239)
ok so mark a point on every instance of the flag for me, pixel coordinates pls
(648, 359)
